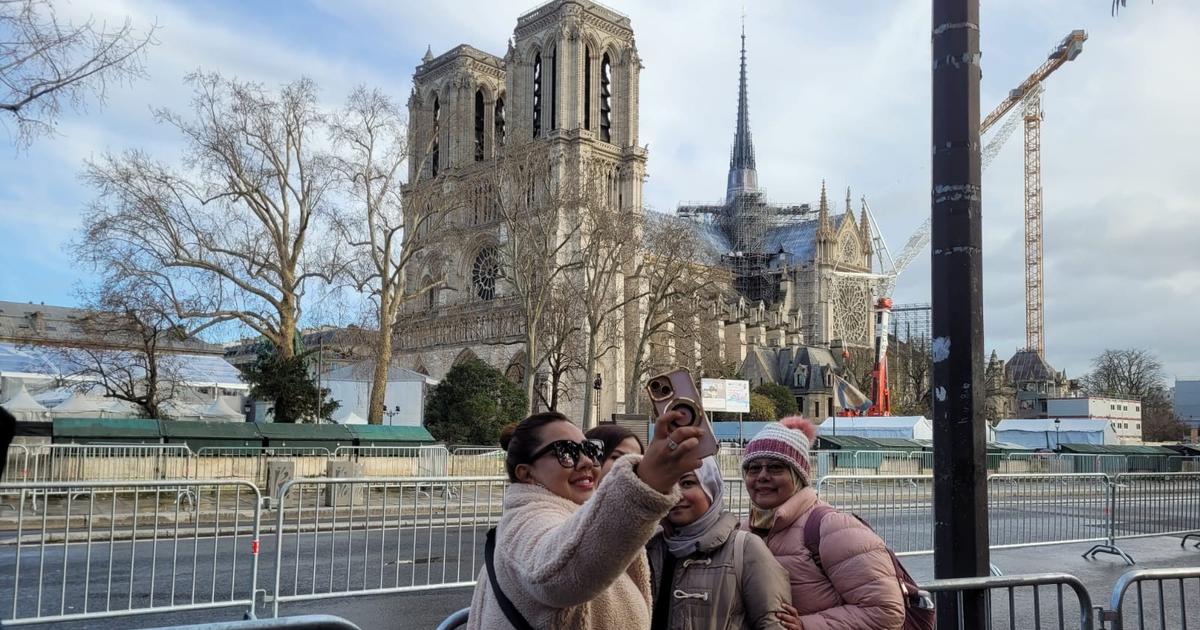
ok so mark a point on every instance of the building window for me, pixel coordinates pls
(587, 87)
(433, 152)
(484, 273)
(479, 125)
(553, 90)
(606, 99)
(537, 95)
(499, 122)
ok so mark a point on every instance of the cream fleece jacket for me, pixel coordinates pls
(575, 566)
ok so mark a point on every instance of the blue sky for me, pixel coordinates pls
(838, 91)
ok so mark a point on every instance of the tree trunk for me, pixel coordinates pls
(287, 326)
(379, 377)
(527, 371)
(589, 371)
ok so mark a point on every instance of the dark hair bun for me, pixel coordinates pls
(506, 434)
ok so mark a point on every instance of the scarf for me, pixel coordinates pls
(684, 541)
(764, 519)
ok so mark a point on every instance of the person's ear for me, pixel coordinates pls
(524, 473)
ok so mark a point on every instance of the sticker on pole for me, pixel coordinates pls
(254, 547)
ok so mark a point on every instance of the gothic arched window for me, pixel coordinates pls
(478, 125)
(587, 87)
(553, 89)
(537, 95)
(498, 122)
(606, 99)
(433, 150)
(485, 272)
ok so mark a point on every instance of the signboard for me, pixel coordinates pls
(718, 394)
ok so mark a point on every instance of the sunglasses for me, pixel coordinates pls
(773, 469)
(568, 452)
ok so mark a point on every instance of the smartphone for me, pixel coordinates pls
(676, 391)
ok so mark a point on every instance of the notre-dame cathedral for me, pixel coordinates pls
(569, 80)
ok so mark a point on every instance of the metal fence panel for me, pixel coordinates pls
(1031, 510)
(398, 461)
(339, 537)
(1156, 504)
(1157, 598)
(899, 508)
(110, 462)
(104, 549)
(16, 464)
(477, 461)
(1044, 600)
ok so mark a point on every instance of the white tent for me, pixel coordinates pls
(907, 427)
(176, 410)
(80, 405)
(349, 417)
(117, 408)
(23, 407)
(1050, 432)
(219, 410)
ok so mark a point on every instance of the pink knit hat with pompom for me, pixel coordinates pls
(788, 441)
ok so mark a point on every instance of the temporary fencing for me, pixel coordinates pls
(115, 548)
(397, 461)
(898, 507)
(16, 464)
(109, 462)
(1165, 598)
(1043, 509)
(249, 463)
(1042, 600)
(338, 537)
(477, 461)
(1151, 504)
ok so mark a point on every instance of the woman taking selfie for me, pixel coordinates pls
(850, 581)
(569, 554)
(618, 442)
(704, 572)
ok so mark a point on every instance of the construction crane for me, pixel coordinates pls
(1028, 95)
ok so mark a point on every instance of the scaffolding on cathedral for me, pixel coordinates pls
(912, 324)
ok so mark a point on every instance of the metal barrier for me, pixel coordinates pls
(109, 462)
(1153, 609)
(113, 548)
(456, 620)
(1019, 603)
(304, 622)
(477, 461)
(729, 458)
(398, 461)
(16, 464)
(249, 463)
(1183, 463)
(339, 537)
(1031, 510)
(1151, 504)
(898, 507)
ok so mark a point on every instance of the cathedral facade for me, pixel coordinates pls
(568, 85)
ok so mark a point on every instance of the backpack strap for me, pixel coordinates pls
(739, 551)
(510, 610)
(812, 532)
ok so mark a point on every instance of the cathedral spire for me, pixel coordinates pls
(849, 206)
(824, 229)
(743, 177)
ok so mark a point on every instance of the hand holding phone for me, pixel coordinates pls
(676, 391)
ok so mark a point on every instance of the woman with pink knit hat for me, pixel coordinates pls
(847, 579)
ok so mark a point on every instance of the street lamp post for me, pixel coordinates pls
(1057, 435)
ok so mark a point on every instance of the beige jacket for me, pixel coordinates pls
(575, 566)
(709, 590)
(856, 590)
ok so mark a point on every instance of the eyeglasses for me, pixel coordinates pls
(568, 452)
(774, 469)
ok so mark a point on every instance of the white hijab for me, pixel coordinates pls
(684, 541)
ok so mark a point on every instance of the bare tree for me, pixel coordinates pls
(562, 346)
(535, 249)
(608, 251)
(386, 229)
(130, 344)
(47, 63)
(1134, 373)
(232, 235)
(673, 273)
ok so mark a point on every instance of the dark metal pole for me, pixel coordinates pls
(959, 434)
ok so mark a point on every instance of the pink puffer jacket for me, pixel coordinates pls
(857, 590)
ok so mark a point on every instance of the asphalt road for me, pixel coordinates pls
(206, 569)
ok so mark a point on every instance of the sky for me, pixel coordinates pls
(838, 92)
